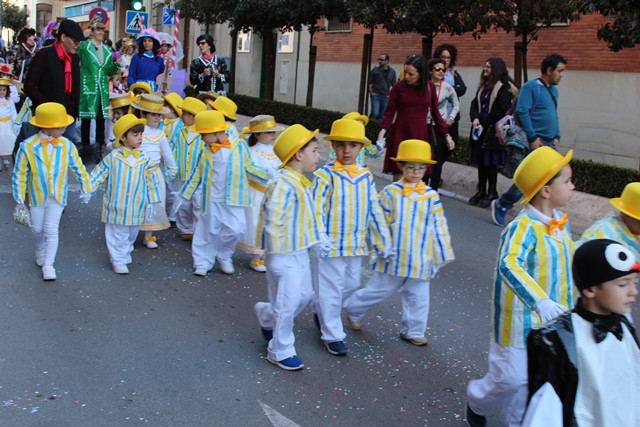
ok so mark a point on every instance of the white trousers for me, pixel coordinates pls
(170, 200)
(336, 278)
(415, 301)
(45, 224)
(290, 291)
(216, 234)
(505, 385)
(120, 240)
(185, 217)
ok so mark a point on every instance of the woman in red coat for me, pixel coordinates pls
(410, 101)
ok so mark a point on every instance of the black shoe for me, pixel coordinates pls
(316, 320)
(486, 200)
(475, 199)
(475, 420)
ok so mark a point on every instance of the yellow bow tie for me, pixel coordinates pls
(52, 141)
(557, 223)
(409, 189)
(135, 153)
(352, 169)
(216, 147)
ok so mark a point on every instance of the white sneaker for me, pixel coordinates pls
(120, 269)
(258, 265)
(129, 259)
(200, 272)
(150, 243)
(48, 272)
(39, 258)
(226, 266)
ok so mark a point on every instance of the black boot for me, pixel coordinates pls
(490, 197)
(476, 198)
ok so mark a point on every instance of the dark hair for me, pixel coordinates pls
(433, 61)
(25, 33)
(385, 55)
(136, 128)
(552, 61)
(108, 42)
(499, 73)
(209, 40)
(124, 108)
(420, 64)
(253, 140)
(8, 95)
(452, 51)
(155, 49)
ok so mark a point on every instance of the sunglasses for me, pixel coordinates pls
(201, 43)
(438, 69)
(382, 59)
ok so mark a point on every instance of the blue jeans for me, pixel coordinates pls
(513, 194)
(378, 105)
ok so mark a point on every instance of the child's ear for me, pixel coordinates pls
(589, 292)
(545, 192)
(400, 166)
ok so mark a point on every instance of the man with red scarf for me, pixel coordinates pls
(54, 73)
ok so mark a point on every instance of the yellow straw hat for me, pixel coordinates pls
(193, 105)
(537, 169)
(141, 85)
(291, 141)
(203, 96)
(262, 123)
(150, 103)
(5, 82)
(354, 115)
(225, 106)
(210, 121)
(175, 101)
(123, 100)
(123, 124)
(415, 151)
(348, 130)
(629, 201)
(51, 115)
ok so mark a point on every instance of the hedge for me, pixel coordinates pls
(588, 176)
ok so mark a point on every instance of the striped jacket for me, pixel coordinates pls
(350, 212)
(612, 227)
(186, 152)
(240, 169)
(41, 175)
(129, 188)
(419, 233)
(532, 265)
(288, 221)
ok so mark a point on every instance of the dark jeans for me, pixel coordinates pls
(378, 105)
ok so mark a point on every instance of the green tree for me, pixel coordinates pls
(13, 17)
(623, 29)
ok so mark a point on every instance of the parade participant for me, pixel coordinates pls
(115, 84)
(421, 245)
(262, 135)
(5, 73)
(208, 72)
(345, 197)
(532, 284)
(374, 150)
(146, 65)
(228, 108)
(131, 186)
(119, 105)
(288, 227)
(583, 366)
(127, 50)
(187, 145)
(26, 51)
(41, 170)
(223, 174)
(208, 98)
(140, 88)
(8, 127)
(157, 149)
(173, 101)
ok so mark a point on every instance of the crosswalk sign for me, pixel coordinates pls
(136, 21)
(168, 16)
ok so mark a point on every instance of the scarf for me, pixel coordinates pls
(64, 56)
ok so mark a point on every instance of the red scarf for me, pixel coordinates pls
(64, 56)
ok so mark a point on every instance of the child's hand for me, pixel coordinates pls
(324, 247)
(548, 309)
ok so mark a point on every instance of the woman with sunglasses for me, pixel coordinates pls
(449, 54)
(208, 71)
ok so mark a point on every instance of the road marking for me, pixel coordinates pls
(276, 418)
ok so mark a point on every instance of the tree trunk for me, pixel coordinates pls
(313, 50)
(364, 69)
(270, 62)
(427, 47)
(517, 65)
(525, 68)
(185, 45)
(234, 56)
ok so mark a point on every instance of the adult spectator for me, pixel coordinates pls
(146, 65)
(96, 64)
(491, 103)
(54, 74)
(449, 54)
(208, 71)
(410, 100)
(537, 112)
(381, 79)
(3, 47)
(26, 51)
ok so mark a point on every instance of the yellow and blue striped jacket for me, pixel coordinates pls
(288, 221)
(419, 233)
(41, 175)
(612, 227)
(350, 211)
(187, 153)
(240, 168)
(129, 188)
(532, 265)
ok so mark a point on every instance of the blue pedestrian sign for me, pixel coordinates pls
(168, 16)
(136, 21)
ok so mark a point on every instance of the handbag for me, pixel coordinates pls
(503, 125)
(517, 148)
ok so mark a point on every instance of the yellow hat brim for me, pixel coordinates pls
(225, 113)
(622, 207)
(213, 130)
(137, 106)
(297, 148)
(364, 141)
(117, 142)
(413, 160)
(68, 120)
(551, 172)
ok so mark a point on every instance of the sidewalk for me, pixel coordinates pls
(459, 182)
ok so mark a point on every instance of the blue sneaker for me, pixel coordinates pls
(292, 363)
(498, 213)
(475, 420)
(337, 348)
(267, 334)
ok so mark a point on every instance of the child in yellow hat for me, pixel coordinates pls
(532, 283)
(186, 145)
(41, 170)
(262, 135)
(228, 108)
(131, 185)
(288, 227)
(373, 150)
(8, 128)
(173, 102)
(421, 245)
(222, 177)
(346, 198)
(119, 105)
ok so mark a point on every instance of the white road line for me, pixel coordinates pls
(276, 418)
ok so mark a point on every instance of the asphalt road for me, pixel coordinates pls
(163, 347)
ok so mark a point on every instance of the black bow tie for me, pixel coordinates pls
(602, 324)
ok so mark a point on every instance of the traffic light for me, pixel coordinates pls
(137, 5)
